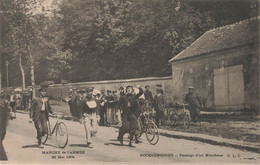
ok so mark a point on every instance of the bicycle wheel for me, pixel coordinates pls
(175, 119)
(152, 133)
(61, 135)
(186, 120)
(45, 137)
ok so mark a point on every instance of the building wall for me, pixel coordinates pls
(57, 91)
(198, 72)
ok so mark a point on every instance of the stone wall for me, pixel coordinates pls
(198, 72)
(58, 91)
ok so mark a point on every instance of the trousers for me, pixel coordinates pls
(90, 125)
(109, 116)
(41, 126)
(102, 115)
(195, 113)
(159, 115)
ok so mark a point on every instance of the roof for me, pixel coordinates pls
(229, 36)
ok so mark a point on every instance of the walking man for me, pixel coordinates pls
(88, 108)
(194, 104)
(129, 105)
(40, 109)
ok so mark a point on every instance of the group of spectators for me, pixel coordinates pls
(18, 99)
(121, 107)
(108, 111)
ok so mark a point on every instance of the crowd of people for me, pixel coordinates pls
(18, 99)
(120, 107)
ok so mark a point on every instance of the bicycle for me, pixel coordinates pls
(61, 133)
(182, 114)
(147, 126)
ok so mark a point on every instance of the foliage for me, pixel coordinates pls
(87, 40)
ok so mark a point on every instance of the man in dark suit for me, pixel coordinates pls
(148, 94)
(194, 104)
(102, 106)
(159, 105)
(130, 107)
(40, 109)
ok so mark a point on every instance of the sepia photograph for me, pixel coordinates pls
(129, 82)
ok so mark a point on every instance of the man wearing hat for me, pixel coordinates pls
(102, 107)
(121, 91)
(40, 109)
(194, 104)
(129, 104)
(12, 101)
(159, 105)
(110, 106)
(148, 94)
(88, 108)
(25, 100)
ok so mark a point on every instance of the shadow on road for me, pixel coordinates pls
(31, 146)
(78, 145)
(115, 144)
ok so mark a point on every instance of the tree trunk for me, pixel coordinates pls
(32, 72)
(22, 71)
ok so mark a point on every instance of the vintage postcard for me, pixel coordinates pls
(129, 81)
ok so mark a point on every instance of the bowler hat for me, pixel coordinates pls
(89, 89)
(129, 86)
(42, 89)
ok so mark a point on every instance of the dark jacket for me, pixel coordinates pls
(193, 100)
(159, 103)
(36, 108)
(84, 107)
(110, 101)
(129, 103)
(4, 116)
(148, 96)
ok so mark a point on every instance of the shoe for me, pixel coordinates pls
(138, 141)
(90, 145)
(41, 146)
(120, 140)
(131, 145)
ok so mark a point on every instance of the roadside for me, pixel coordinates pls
(239, 130)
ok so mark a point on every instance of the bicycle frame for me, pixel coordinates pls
(52, 131)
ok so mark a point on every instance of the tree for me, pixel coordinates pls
(59, 65)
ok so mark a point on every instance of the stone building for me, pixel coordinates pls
(223, 66)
